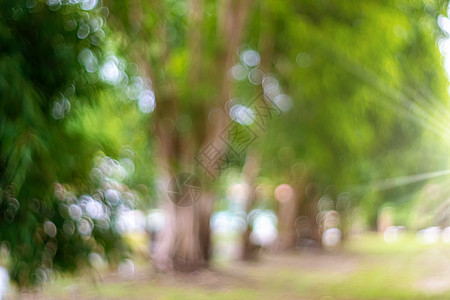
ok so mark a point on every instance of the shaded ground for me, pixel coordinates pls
(366, 268)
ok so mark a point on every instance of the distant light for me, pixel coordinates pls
(112, 196)
(328, 219)
(4, 282)
(228, 222)
(238, 192)
(126, 152)
(110, 72)
(128, 165)
(98, 36)
(251, 58)
(68, 227)
(255, 76)
(84, 227)
(87, 59)
(60, 108)
(75, 212)
(96, 174)
(444, 23)
(53, 5)
(331, 237)
(325, 203)
(49, 3)
(135, 88)
(130, 221)
(126, 269)
(103, 223)
(57, 111)
(70, 91)
(155, 220)
(147, 102)
(283, 102)
(94, 209)
(50, 229)
(83, 31)
(264, 228)
(271, 86)
(242, 114)
(429, 235)
(119, 172)
(446, 235)
(97, 261)
(95, 24)
(238, 72)
(88, 4)
(284, 193)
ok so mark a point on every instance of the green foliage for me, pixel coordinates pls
(366, 80)
(44, 160)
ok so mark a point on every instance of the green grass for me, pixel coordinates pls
(366, 268)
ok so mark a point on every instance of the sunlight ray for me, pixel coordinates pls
(407, 106)
(411, 107)
(404, 180)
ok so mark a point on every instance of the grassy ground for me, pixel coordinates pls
(366, 268)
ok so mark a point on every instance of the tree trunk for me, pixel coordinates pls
(306, 225)
(288, 213)
(185, 242)
(251, 170)
(297, 215)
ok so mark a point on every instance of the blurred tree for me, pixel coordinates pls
(186, 48)
(50, 53)
(367, 87)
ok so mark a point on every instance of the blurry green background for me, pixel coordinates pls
(307, 126)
